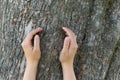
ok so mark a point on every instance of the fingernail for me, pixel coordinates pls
(36, 36)
(67, 38)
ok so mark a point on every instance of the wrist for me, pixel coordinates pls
(32, 65)
(67, 66)
(70, 63)
(29, 62)
(68, 72)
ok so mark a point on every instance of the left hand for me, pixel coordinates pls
(32, 53)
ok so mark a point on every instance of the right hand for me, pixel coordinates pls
(69, 48)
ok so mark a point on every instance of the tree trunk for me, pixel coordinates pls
(96, 24)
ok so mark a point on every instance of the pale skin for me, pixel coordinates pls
(33, 54)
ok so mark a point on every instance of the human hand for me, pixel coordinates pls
(69, 48)
(32, 53)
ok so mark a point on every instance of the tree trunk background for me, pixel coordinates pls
(96, 24)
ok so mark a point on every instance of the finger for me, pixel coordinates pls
(73, 46)
(26, 44)
(66, 44)
(36, 42)
(69, 32)
(32, 33)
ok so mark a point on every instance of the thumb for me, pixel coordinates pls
(66, 44)
(36, 42)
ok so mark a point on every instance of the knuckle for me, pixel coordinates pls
(29, 35)
(75, 47)
(36, 50)
(32, 32)
(24, 45)
(63, 51)
(21, 44)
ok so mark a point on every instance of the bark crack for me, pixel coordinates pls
(111, 60)
(107, 19)
(89, 18)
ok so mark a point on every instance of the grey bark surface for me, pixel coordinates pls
(96, 24)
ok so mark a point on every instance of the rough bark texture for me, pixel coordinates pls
(96, 24)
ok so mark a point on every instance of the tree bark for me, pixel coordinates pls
(96, 24)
